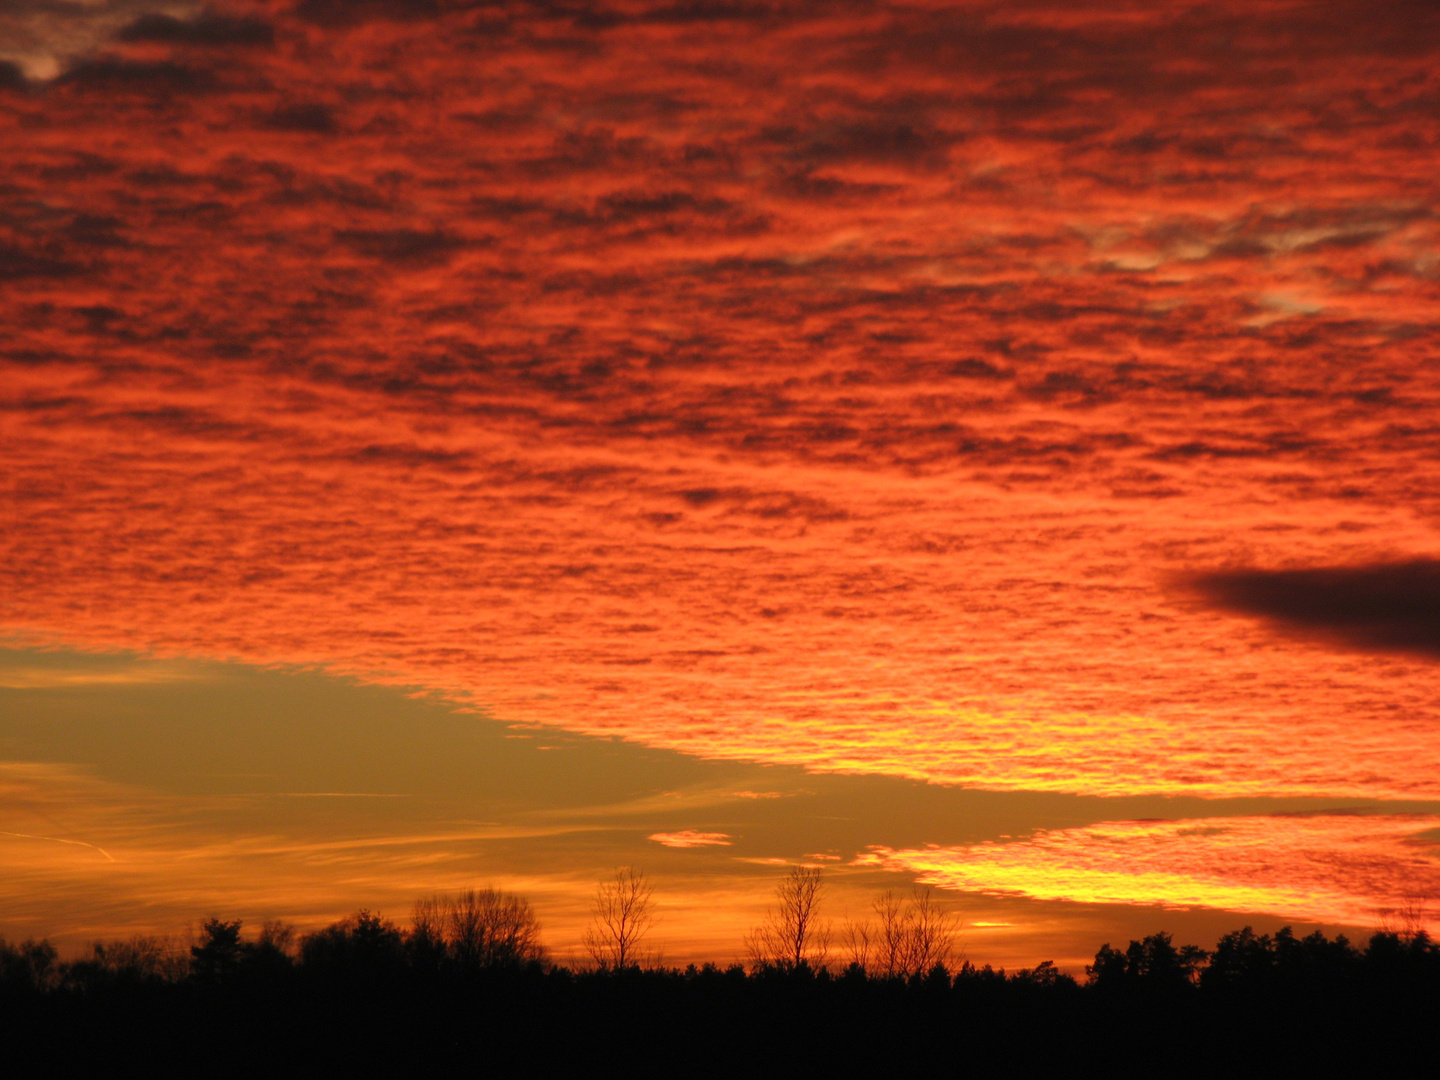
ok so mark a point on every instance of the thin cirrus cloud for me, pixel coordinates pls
(845, 386)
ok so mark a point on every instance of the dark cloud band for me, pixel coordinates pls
(1379, 607)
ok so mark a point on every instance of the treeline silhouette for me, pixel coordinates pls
(468, 986)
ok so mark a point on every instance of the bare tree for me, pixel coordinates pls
(491, 928)
(427, 921)
(793, 934)
(1409, 920)
(891, 941)
(479, 928)
(931, 931)
(279, 937)
(859, 940)
(912, 935)
(142, 957)
(620, 915)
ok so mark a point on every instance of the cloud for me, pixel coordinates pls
(840, 386)
(1332, 869)
(51, 677)
(344, 13)
(690, 838)
(898, 140)
(16, 263)
(308, 117)
(154, 77)
(402, 246)
(209, 28)
(886, 361)
(302, 796)
(1380, 607)
(42, 36)
(11, 76)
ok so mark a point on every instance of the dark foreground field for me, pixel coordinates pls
(375, 1002)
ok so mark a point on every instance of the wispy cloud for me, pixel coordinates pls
(689, 838)
(39, 678)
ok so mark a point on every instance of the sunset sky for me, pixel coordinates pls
(450, 443)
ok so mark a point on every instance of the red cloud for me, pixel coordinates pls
(835, 386)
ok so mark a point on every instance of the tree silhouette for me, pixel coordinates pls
(479, 928)
(363, 947)
(620, 915)
(908, 937)
(859, 943)
(929, 932)
(274, 950)
(29, 965)
(426, 941)
(147, 958)
(491, 928)
(1409, 920)
(218, 955)
(793, 934)
(1154, 963)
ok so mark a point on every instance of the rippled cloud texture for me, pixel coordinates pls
(880, 387)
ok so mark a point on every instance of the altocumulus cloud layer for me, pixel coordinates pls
(847, 385)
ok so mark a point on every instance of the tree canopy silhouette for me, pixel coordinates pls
(478, 929)
(365, 995)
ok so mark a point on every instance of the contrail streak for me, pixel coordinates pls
(57, 840)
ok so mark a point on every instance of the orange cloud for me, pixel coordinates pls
(688, 838)
(840, 387)
(1335, 869)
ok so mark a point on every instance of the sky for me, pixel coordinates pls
(988, 445)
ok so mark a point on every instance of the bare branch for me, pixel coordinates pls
(859, 937)
(793, 934)
(931, 932)
(479, 928)
(621, 914)
(912, 935)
